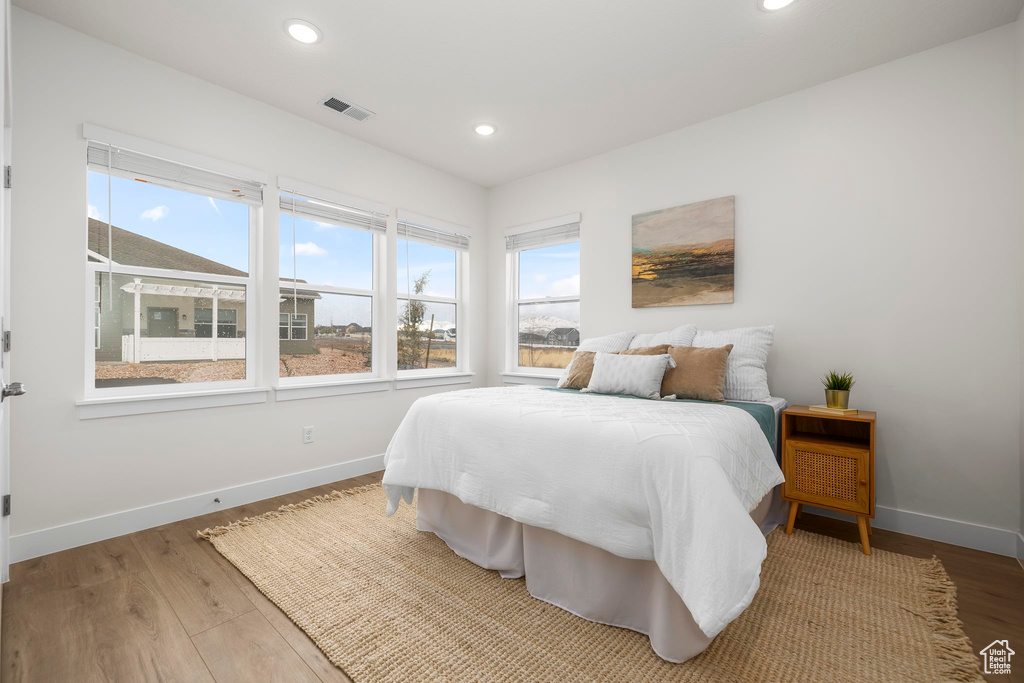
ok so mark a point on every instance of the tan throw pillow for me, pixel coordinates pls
(646, 351)
(699, 373)
(581, 368)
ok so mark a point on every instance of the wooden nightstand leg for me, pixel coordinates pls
(793, 507)
(862, 526)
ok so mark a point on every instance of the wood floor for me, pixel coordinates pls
(162, 605)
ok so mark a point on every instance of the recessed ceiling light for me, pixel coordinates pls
(485, 129)
(302, 31)
(772, 5)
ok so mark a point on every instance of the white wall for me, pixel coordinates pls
(64, 469)
(876, 227)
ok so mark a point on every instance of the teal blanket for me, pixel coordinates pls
(762, 412)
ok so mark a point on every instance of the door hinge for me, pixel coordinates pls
(7, 177)
(7, 505)
(7, 341)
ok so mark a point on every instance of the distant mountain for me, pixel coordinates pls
(542, 324)
(438, 325)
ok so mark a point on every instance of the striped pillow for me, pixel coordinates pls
(745, 376)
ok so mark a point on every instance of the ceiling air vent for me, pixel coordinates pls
(350, 110)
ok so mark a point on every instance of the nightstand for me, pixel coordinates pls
(829, 462)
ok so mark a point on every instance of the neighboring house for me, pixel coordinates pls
(173, 309)
(296, 320)
(563, 336)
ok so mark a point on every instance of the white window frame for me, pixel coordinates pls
(409, 378)
(97, 315)
(298, 188)
(108, 395)
(513, 301)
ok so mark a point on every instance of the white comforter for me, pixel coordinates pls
(666, 481)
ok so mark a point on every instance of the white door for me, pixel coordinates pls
(5, 282)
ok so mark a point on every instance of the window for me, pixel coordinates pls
(299, 332)
(429, 299)
(168, 246)
(544, 304)
(327, 310)
(227, 323)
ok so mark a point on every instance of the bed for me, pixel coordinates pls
(644, 514)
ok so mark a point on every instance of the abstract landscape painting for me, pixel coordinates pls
(684, 255)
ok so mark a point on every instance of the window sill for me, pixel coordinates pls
(295, 392)
(433, 380)
(530, 378)
(94, 408)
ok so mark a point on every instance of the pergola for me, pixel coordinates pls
(212, 292)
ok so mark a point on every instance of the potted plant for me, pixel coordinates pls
(837, 389)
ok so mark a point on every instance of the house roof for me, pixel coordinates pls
(564, 330)
(133, 249)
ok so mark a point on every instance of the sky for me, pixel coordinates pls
(550, 271)
(212, 228)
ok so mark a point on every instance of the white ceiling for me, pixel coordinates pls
(562, 79)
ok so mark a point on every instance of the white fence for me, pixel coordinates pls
(156, 349)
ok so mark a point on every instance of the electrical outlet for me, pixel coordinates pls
(307, 435)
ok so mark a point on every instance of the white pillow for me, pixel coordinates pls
(610, 343)
(635, 375)
(681, 336)
(745, 376)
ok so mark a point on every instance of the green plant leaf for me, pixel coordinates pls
(834, 381)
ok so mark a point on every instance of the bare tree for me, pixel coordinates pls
(410, 334)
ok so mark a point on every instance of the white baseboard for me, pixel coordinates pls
(45, 541)
(1020, 549)
(966, 534)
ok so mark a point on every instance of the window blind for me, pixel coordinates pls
(347, 216)
(422, 233)
(140, 166)
(569, 232)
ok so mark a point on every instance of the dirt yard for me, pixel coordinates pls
(327, 361)
(202, 371)
(334, 356)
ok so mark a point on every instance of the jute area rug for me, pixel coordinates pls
(386, 602)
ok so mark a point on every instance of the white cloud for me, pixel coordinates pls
(94, 212)
(213, 204)
(155, 214)
(540, 277)
(567, 287)
(319, 225)
(309, 249)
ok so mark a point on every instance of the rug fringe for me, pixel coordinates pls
(952, 645)
(211, 533)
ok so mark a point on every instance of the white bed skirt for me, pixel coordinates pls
(580, 578)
